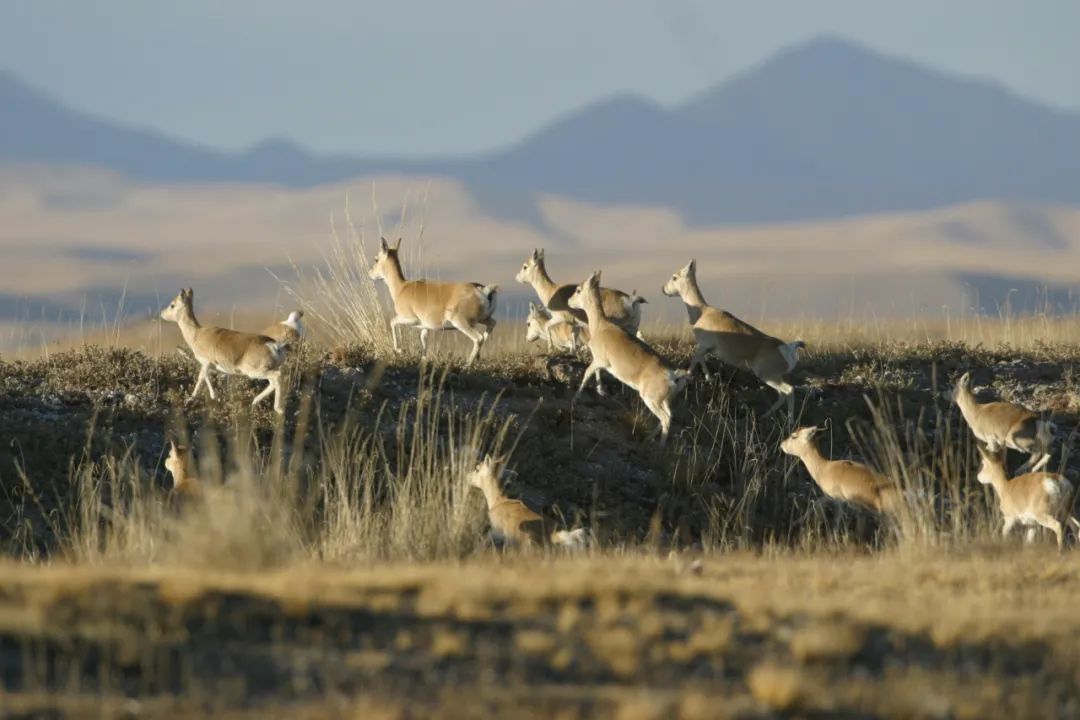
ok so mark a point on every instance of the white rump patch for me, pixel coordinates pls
(1053, 486)
(577, 538)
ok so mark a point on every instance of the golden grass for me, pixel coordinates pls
(891, 633)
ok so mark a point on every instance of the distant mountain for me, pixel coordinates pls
(824, 129)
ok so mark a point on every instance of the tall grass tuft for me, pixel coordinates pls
(394, 490)
(341, 301)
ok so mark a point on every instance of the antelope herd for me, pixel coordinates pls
(606, 322)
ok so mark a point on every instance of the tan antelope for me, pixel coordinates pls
(616, 305)
(627, 358)
(431, 305)
(233, 353)
(1004, 425)
(1032, 499)
(737, 343)
(289, 331)
(178, 464)
(561, 335)
(512, 522)
(843, 479)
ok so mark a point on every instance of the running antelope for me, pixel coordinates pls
(512, 522)
(178, 464)
(616, 303)
(735, 342)
(560, 335)
(1004, 425)
(843, 479)
(431, 305)
(1032, 499)
(288, 331)
(624, 356)
(233, 353)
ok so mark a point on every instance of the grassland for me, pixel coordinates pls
(341, 568)
(975, 635)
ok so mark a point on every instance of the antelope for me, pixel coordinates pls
(627, 358)
(233, 353)
(431, 305)
(512, 522)
(288, 331)
(1004, 425)
(844, 480)
(185, 484)
(555, 297)
(735, 342)
(633, 304)
(561, 335)
(1032, 499)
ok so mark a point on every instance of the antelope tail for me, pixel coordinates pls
(577, 539)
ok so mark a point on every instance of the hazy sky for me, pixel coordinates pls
(419, 76)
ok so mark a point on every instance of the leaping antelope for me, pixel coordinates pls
(1032, 499)
(843, 479)
(630, 360)
(228, 351)
(430, 305)
(617, 305)
(1004, 424)
(512, 522)
(737, 343)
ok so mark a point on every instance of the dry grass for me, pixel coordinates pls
(933, 635)
(338, 562)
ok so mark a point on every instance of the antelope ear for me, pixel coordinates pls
(595, 277)
(397, 245)
(965, 379)
(383, 245)
(532, 307)
(691, 267)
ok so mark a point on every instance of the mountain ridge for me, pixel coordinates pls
(826, 128)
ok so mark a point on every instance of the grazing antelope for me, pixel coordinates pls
(289, 331)
(559, 336)
(431, 305)
(735, 342)
(843, 479)
(616, 305)
(512, 522)
(630, 360)
(1032, 499)
(1004, 425)
(178, 464)
(233, 353)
